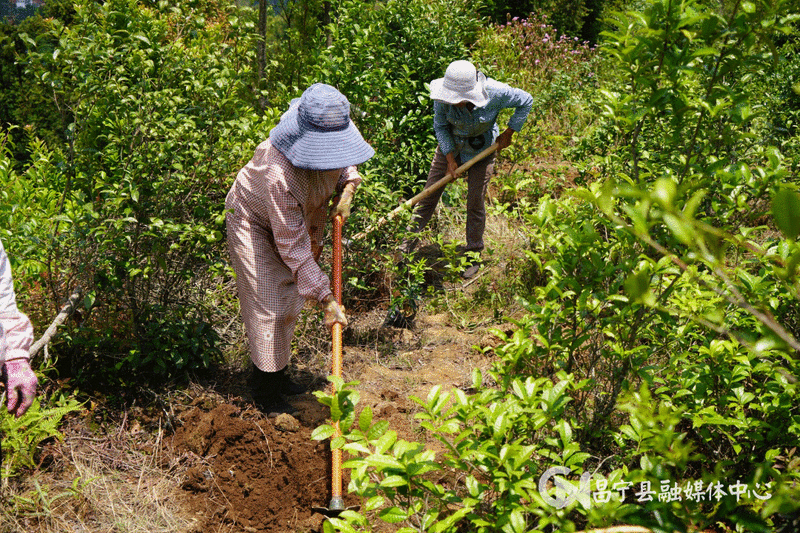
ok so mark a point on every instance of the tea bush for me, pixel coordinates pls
(382, 56)
(155, 126)
(660, 315)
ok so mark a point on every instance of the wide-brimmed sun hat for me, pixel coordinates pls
(316, 132)
(461, 83)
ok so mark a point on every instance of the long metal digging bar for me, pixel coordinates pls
(411, 202)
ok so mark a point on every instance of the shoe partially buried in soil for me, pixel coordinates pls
(401, 317)
(275, 406)
(268, 388)
(287, 386)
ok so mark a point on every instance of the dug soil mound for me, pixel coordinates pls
(250, 472)
(243, 471)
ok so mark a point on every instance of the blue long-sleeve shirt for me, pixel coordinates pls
(454, 126)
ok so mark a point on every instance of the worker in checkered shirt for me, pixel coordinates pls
(277, 210)
(16, 336)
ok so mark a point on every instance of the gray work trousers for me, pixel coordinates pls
(478, 177)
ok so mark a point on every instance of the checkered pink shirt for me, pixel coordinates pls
(292, 204)
(275, 225)
(16, 332)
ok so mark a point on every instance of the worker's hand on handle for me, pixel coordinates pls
(341, 203)
(21, 385)
(452, 164)
(504, 139)
(334, 313)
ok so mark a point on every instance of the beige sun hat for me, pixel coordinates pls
(461, 82)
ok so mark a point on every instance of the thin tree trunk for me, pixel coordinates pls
(261, 52)
(66, 311)
(326, 19)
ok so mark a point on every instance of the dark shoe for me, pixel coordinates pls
(276, 407)
(272, 403)
(408, 246)
(397, 318)
(288, 386)
(265, 389)
(472, 269)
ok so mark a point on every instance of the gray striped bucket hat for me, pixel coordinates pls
(316, 132)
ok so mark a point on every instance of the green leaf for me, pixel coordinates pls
(500, 425)
(383, 461)
(472, 486)
(664, 192)
(450, 521)
(336, 408)
(577, 459)
(342, 525)
(365, 419)
(477, 379)
(322, 432)
(393, 515)
(683, 231)
(518, 523)
(786, 211)
(355, 448)
(565, 430)
(394, 481)
(637, 286)
(88, 300)
(691, 206)
(708, 51)
(386, 441)
(378, 429)
(373, 503)
(143, 39)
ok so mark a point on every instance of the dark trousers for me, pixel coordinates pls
(478, 177)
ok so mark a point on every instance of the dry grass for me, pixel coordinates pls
(111, 483)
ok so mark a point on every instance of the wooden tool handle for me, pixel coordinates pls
(411, 202)
(337, 502)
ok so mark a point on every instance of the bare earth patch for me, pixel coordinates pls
(204, 460)
(255, 474)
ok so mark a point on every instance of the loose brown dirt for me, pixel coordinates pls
(254, 473)
(248, 472)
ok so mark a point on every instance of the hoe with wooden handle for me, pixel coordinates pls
(336, 504)
(411, 202)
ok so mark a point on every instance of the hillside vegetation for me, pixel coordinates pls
(647, 312)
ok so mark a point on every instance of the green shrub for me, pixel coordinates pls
(382, 56)
(157, 123)
(486, 477)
